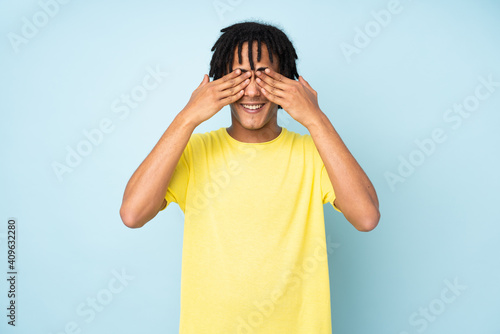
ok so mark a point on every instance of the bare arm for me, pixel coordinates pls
(144, 195)
(355, 195)
(145, 192)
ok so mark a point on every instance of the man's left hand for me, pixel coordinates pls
(298, 98)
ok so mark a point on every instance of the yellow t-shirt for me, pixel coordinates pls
(254, 256)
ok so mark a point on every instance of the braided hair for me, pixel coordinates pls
(276, 41)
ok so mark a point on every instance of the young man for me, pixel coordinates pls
(254, 251)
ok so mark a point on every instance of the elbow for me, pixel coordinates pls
(369, 221)
(129, 218)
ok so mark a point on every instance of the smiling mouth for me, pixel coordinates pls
(252, 108)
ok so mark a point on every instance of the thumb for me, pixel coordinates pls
(304, 82)
(204, 81)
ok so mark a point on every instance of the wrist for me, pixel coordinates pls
(187, 119)
(316, 121)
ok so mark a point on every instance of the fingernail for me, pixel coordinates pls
(268, 70)
(258, 73)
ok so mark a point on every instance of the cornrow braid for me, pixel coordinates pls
(236, 35)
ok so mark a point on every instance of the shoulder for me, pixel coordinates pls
(300, 139)
(206, 139)
(305, 144)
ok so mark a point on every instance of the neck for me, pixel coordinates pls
(267, 133)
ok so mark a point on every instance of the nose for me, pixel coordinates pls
(252, 89)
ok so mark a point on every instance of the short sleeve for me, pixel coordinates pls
(327, 192)
(177, 188)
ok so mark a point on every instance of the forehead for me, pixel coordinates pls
(264, 61)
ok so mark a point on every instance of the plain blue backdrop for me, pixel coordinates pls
(413, 88)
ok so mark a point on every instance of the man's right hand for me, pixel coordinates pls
(209, 98)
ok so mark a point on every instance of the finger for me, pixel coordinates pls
(269, 88)
(230, 76)
(304, 82)
(277, 76)
(271, 97)
(272, 81)
(232, 98)
(234, 90)
(204, 81)
(232, 81)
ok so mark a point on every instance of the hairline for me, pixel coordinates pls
(276, 58)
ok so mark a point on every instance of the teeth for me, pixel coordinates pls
(253, 107)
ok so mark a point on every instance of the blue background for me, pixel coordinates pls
(440, 226)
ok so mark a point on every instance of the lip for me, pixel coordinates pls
(252, 111)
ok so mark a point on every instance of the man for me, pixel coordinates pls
(254, 249)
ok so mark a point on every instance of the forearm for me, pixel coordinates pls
(355, 194)
(146, 188)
